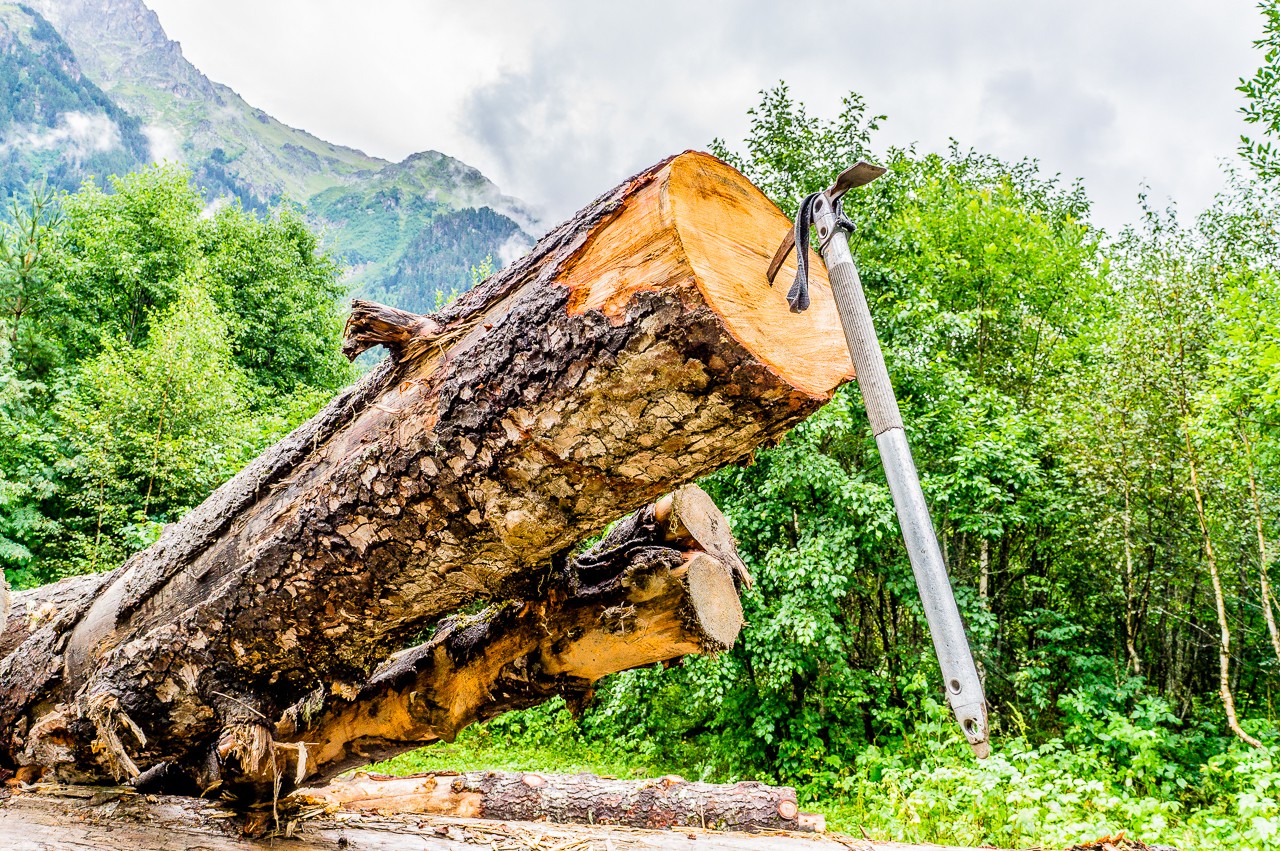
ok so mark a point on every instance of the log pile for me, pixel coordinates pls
(636, 348)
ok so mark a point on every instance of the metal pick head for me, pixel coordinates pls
(853, 177)
(857, 175)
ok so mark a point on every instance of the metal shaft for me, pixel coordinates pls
(959, 674)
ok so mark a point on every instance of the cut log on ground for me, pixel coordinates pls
(637, 347)
(658, 804)
(103, 819)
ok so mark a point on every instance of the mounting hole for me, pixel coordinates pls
(822, 231)
(970, 728)
(955, 686)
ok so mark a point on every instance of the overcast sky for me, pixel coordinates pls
(557, 101)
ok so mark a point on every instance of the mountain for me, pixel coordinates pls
(55, 123)
(417, 227)
(375, 214)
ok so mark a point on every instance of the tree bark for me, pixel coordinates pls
(659, 804)
(651, 591)
(637, 347)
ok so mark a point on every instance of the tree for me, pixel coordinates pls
(29, 240)
(127, 253)
(152, 347)
(26, 475)
(153, 429)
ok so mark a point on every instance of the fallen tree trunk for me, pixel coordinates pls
(636, 348)
(116, 819)
(653, 590)
(658, 804)
(662, 584)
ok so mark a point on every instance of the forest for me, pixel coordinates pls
(1096, 418)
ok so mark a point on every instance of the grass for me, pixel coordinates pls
(1051, 796)
(498, 748)
(477, 750)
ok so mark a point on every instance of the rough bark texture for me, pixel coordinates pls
(649, 592)
(636, 348)
(115, 819)
(661, 803)
(659, 586)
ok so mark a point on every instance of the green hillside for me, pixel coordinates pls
(417, 227)
(230, 144)
(55, 123)
(406, 230)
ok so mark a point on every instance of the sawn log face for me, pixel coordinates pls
(518, 424)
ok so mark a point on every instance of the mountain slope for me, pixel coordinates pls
(123, 48)
(377, 215)
(417, 227)
(55, 123)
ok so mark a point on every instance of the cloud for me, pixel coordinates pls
(558, 101)
(1023, 111)
(163, 143)
(532, 128)
(516, 246)
(76, 135)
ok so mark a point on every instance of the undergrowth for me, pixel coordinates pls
(1112, 776)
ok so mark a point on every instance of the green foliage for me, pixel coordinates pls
(151, 348)
(125, 254)
(26, 475)
(280, 295)
(790, 154)
(1262, 95)
(1057, 793)
(153, 429)
(29, 241)
(545, 737)
(128, 251)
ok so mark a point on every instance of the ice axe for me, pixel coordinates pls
(823, 211)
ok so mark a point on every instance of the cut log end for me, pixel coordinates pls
(690, 515)
(706, 223)
(714, 602)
